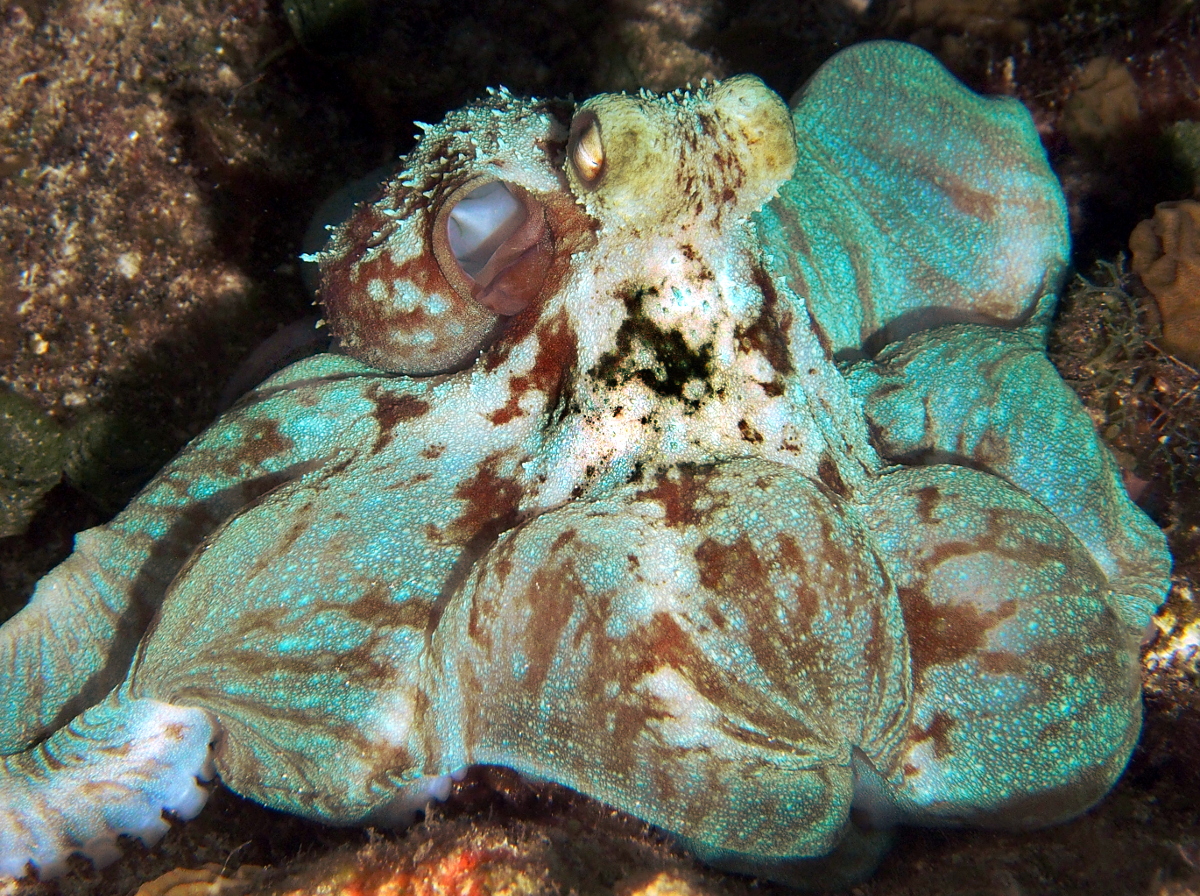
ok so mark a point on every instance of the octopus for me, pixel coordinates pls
(694, 452)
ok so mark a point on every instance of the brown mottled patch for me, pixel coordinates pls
(359, 321)
(433, 452)
(767, 334)
(992, 450)
(116, 751)
(262, 441)
(735, 569)
(877, 648)
(862, 286)
(1000, 662)
(659, 642)
(173, 731)
(363, 231)
(978, 204)
(749, 433)
(723, 178)
(422, 271)
(246, 652)
(928, 499)
(390, 410)
(564, 538)
(553, 594)
(555, 357)
(491, 504)
(376, 606)
(886, 390)
(171, 557)
(715, 616)
(827, 472)
(681, 493)
(662, 642)
(270, 556)
(1002, 536)
(822, 337)
(629, 720)
(940, 634)
(94, 791)
(938, 730)
(503, 569)
(808, 603)
(949, 291)
(511, 410)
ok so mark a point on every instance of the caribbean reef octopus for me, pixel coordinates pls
(696, 454)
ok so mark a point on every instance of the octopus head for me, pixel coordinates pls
(504, 199)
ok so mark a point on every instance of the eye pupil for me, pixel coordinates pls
(587, 148)
(480, 223)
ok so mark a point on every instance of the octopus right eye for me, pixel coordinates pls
(586, 148)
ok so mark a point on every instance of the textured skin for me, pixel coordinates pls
(641, 508)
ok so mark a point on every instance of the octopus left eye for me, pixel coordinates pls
(481, 222)
(493, 245)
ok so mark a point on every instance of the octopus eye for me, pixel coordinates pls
(586, 148)
(480, 222)
(493, 245)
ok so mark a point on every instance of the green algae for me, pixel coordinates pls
(33, 452)
(1183, 142)
(327, 25)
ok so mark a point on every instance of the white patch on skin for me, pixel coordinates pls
(694, 390)
(667, 573)
(754, 366)
(692, 720)
(378, 290)
(394, 717)
(599, 440)
(922, 776)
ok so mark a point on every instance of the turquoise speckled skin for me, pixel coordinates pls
(698, 455)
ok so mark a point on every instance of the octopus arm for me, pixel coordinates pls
(914, 201)
(989, 399)
(1026, 698)
(79, 631)
(294, 560)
